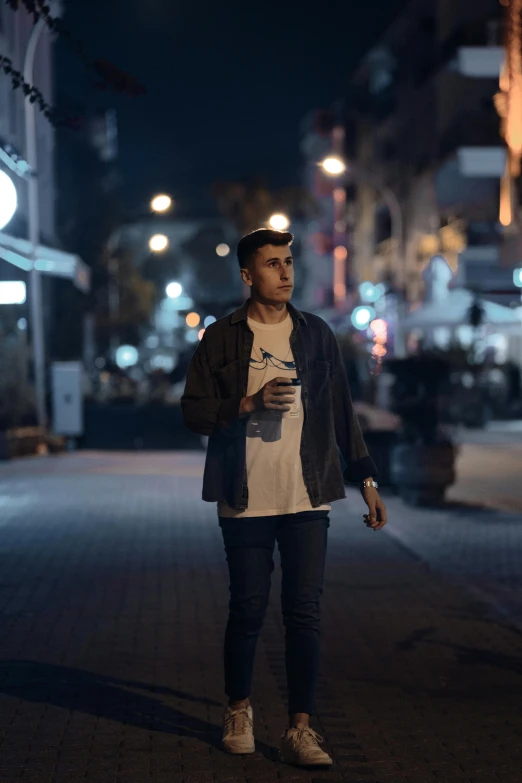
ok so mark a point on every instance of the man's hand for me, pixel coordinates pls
(270, 397)
(376, 517)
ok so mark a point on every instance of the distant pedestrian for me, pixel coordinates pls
(268, 386)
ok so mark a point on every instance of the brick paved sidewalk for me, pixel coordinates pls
(478, 545)
(113, 599)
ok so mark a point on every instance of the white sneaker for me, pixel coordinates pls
(238, 730)
(301, 748)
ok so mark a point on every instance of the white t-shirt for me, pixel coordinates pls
(275, 474)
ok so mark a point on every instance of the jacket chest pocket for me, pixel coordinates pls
(317, 380)
(229, 379)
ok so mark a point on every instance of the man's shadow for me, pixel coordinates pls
(113, 698)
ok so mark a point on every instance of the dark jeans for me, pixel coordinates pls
(249, 545)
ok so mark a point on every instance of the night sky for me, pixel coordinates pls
(228, 84)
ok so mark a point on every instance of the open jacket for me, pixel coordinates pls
(331, 441)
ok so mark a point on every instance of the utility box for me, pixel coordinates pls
(67, 395)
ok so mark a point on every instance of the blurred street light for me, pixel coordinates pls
(517, 277)
(8, 199)
(370, 292)
(126, 356)
(279, 222)
(362, 316)
(222, 250)
(200, 334)
(161, 203)
(210, 319)
(193, 320)
(173, 290)
(333, 165)
(158, 243)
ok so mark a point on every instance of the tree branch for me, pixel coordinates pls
(108, 76)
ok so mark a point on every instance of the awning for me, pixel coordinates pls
(49, 261)
(454, 309)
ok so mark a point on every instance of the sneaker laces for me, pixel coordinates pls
(308, 736)
(238, 721)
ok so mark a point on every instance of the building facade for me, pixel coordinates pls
(421, 119)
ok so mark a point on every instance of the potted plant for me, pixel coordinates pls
(422, 463)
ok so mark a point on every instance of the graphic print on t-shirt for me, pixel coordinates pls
(268, 359)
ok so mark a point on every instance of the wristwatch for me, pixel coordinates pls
(369, 483)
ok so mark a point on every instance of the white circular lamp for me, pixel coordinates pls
(8, 199)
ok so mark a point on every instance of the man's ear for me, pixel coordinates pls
(245, 276)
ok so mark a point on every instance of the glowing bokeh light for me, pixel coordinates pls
(222, 250)
(173, 290)
(193, 320)
(158, 243)
(333, 165)
(279, 222)
(126, 356)
(161, 203)
(362, 316)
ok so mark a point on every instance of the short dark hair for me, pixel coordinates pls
(251, 243)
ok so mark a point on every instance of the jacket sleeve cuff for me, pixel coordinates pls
(360, 470)
(228, 418)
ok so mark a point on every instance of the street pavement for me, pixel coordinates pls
(478, 536)
(113, 599)
(490, 467)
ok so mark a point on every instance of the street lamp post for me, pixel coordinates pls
(36, 307)
(335, 166)
(340, 251)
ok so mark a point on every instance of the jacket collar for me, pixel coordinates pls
(241, 314)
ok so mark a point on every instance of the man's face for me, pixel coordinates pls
(271, 274)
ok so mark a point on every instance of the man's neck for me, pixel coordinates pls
(267, 313)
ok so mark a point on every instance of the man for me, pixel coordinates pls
(274, 466)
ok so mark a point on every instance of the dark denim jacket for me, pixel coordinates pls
(217, 380)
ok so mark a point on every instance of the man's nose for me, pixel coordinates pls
(284, 273)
